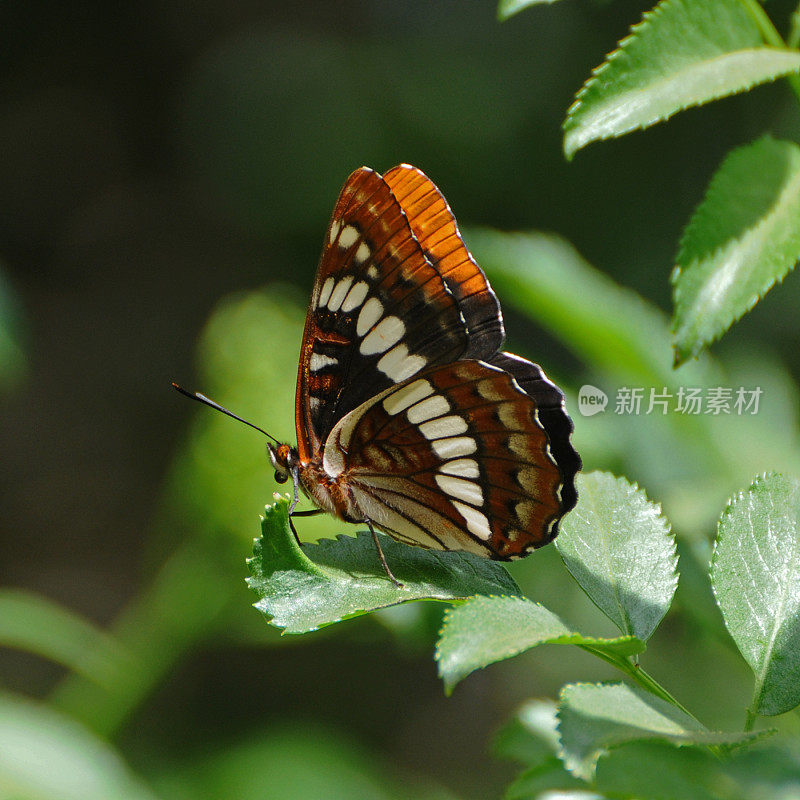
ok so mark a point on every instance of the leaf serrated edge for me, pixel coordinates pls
(597, 72)
(561, 752)
(740, 496)
(681, 354)
(621, 480)
(611, 58)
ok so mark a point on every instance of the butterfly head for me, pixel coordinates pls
(284, 459)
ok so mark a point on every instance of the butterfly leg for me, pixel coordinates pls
(311, 512)
(295, 500)
(382, 556)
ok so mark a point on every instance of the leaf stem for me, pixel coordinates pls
(638, 675)
(793, 39)
(771, 36)
(749, 720)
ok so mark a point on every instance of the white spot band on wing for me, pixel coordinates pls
(434, 406)
(398, 365)
(348, 237)
(339, 293)
(370, 313)
(444, 426)
(455, 447)
(403, 398)
(387, 333)
(355, 297)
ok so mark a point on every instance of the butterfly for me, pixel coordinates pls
(409, 417)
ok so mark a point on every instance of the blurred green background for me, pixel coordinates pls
(167, 173)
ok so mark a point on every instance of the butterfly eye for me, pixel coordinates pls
(281, 477)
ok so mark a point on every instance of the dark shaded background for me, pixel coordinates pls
(157, 156)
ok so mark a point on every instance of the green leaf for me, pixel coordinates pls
(654, 769)
(548, 780)
(662, 770)
(594, 717)
(755, 572)
(683, 53)
(488, 629)
(507, 8)
(531, 735)
(44, 755)
(33, 623)
(301, 590)
(607, 325)
(768, 770)
(744, 237)
(619, 548)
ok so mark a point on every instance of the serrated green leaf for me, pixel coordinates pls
(755, 572)
(37, 625)
(683, 53)
(507, 8)
(619, 548)
(301, 590)
(531, 735)
(45, 755)
(744, 237)
(594, 717)
(488, 629)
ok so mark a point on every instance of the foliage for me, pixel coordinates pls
(743, 236)
(304, 587)
(617, 546)
(602, 739)
(756, 577)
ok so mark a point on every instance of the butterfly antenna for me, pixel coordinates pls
(201, 398)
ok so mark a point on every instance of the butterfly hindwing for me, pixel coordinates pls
(454, 458)
(396, 292)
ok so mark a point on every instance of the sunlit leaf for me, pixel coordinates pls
(594, 717)
(744, 237)
(33, 623)
(755, 572)
(619, 548)
(44, 755)
(683, 53)
(301, 590)
(489, 629)
(507, 8)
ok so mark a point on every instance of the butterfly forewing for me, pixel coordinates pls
(454, 458)
(436, 230)
(396, 292)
